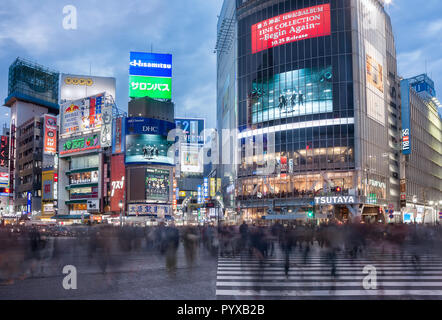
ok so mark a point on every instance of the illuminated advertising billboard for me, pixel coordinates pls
(405, 115)
(146, 141)
(291, 94)
(150, 64)
(157, 184)
(193, 130)
(74, 87)
(82, 144)
(118, 133)
(292, 26)
(47, 178)
(4, 151)
(118, 183)
(4, 179)
(148, 210)
(375, 84)
(150, 75)
(81, 115)
(50, 134)
(191, 159)
(153, 87)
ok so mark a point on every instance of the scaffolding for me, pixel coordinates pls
(225, 36)
(32, 82)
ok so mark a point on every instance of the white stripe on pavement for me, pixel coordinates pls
(301, 293)
(326, 284)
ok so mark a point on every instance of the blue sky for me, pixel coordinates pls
(108, 30)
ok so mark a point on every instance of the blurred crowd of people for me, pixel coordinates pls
(27, 251)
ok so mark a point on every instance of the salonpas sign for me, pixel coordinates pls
(335, 200)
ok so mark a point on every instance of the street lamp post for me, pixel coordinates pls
(120, 204)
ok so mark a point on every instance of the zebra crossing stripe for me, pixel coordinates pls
(319, 293)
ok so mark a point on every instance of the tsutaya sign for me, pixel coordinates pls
(335, 200)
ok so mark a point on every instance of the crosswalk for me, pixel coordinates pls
(393, 276)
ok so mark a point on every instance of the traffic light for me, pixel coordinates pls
(310, 214)
(338, 189)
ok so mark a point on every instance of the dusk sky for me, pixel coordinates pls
(109, 30)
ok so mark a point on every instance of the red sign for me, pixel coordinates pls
(118, 181)
(50, 132)
(4, 151)
(292, 26)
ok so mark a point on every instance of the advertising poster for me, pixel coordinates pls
(118, 185)
(146, 141)
(157, 184)
(375, 84)
(4, 152)
(82, 114)
(212, 187)
(292, 26)
(4, 179)
(293, 93)
(74, 87)
(192, 141)
(47, 185)
(50, 134)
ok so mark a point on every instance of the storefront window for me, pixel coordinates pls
(84, 177)
(90, 161)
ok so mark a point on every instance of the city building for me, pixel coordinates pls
(149, 159)
(32, 93)
(308, 94)
(84, 158)
(421, 172)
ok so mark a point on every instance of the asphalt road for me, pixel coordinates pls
(135, 275)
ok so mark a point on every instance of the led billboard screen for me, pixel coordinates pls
(150, 64)
(4, 151)
(293, 93)
(291, 26)
(146, 141)
(150, 75)
(157, 184)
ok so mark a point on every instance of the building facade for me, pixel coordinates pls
(32, 92)
(311, 87)
(421, 179)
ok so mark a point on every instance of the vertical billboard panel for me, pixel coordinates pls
(106, 127)
(192, 140)
(4, 152)
(50, 134)
(74, 87)
(405, 115)
(118, 183)
(118, 135)
(375, 84)
(292, 26)
(47, 185)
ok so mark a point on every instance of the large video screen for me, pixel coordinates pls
(291, 94)
(157, 184)
(148, 148)
(146, 141)
(292, 26)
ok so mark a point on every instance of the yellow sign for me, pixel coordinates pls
(212, 187)
(218, 185)
(79, 81)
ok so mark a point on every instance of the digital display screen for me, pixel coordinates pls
(148, 148)
(293, 93)
(157, 184)
(292, 26)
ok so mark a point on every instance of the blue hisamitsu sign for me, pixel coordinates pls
(138, 125)
(150, 64)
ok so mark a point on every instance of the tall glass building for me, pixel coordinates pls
(311, 87)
